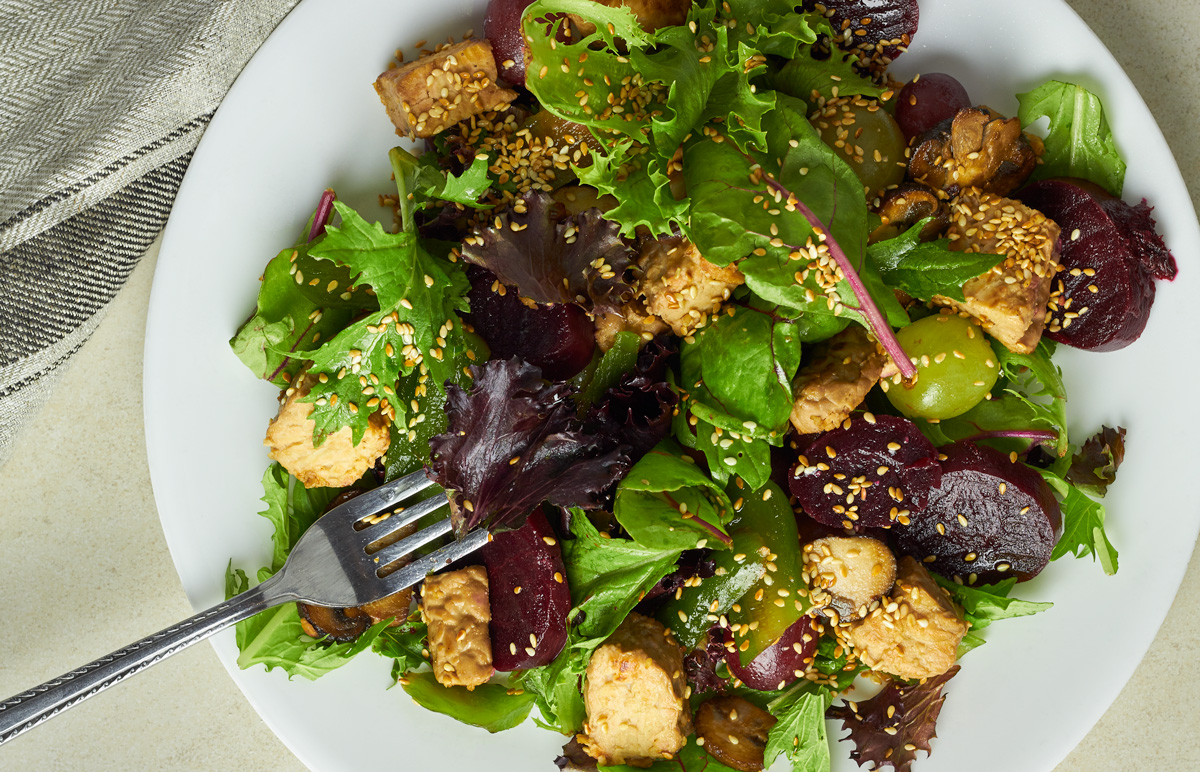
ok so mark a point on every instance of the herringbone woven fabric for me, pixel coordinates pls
(101, 104)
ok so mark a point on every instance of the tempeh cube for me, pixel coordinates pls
(457, 609)
(428, 96)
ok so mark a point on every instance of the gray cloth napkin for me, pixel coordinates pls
(101, 104)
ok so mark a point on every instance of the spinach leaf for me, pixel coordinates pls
(292, 314)
(1080, 142)
(794, 218)
(493, 707)
(926, 269)
(666, 502)
(736, 380)
(608, 577)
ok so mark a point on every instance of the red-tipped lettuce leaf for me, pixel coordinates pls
(554, 258)
(514, 441)
(913, 723)
(638, 410)
(1094, 467)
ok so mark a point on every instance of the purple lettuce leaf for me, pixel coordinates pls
(889, 728)
(1095, 466)
(638, 410)
(551, 257)
(513, 441)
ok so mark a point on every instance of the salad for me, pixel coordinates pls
(742, 351)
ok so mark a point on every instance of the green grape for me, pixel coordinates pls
(866, 137)
(956, 367)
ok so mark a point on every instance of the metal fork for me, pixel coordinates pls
(334, 564)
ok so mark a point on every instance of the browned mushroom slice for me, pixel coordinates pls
(849, 574)
(346, 624)
(336, 624)
(978, 148)
(908, 204)
(734, 731)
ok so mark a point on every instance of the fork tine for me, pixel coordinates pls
(410, 544)
(427, 564)
(381, 498)
(395, 522)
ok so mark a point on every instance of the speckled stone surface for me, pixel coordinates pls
(81, 467)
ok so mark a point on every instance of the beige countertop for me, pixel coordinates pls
(84, 568)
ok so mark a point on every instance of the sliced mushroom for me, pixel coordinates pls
(908, 204)
(849, 574)
(977, 148)
(336, 624)
(734, 731)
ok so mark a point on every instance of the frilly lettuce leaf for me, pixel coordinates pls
(514, 441)
(554, 258)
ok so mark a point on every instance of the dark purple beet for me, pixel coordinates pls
(1111, 254)
(777, 665)
(928, 100)
(869, 475)
(1012, 520)
(527, 585)
(502, 28)
(558, 338)
(887, 26)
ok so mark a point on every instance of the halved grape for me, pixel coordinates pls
(928, 100)
(955, 363)
(863, 134)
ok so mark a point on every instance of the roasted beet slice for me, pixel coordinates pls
(873, 473)
(877, 28)
(559, 338)
(780, 663)
(991, 518)
(529, 595)
(1111, 254)
(502, 27)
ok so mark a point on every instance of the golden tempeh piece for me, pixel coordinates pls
(428, 96)
(1010, 300)
(457, 609)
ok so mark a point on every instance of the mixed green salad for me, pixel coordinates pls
(741, 349)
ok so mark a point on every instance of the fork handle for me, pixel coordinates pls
(28, 709)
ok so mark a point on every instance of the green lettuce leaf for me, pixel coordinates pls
(493, 707)
(607, 578)
(1083, 526)
(666, 502)
(291, 316)
(926, 269)
(638, 180)
(416, 327)
(1080, 142)
(291, 509)
(800, 734)
(983, 604)
(405, 644)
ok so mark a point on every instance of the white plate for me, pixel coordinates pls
(303, 117)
